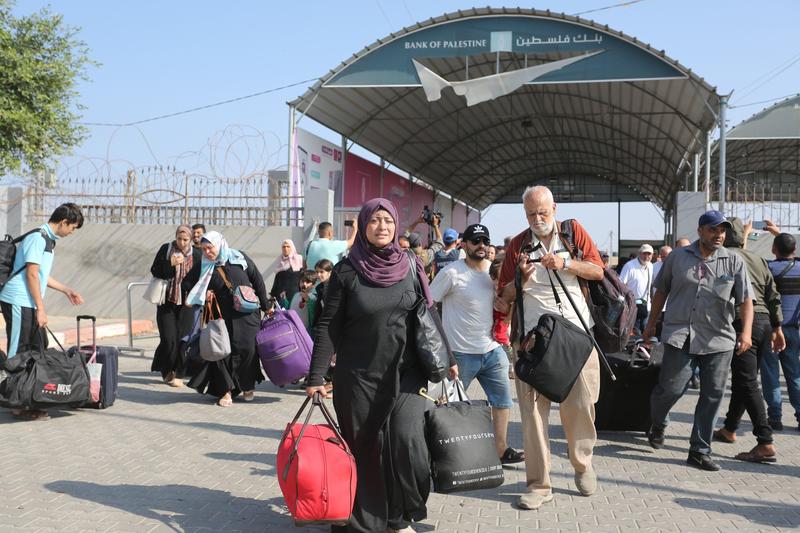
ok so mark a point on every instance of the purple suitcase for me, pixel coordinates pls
(284, 347)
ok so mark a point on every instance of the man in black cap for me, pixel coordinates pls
(704, 282)
(467, 293)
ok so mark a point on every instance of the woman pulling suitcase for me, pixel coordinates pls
(220, 274)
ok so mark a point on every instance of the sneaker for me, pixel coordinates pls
(586, 482)
(694, 383)
(655, 437)
(407, 529)
(776, 425)
(702, 461)
(533, 500)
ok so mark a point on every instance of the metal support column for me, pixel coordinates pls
(695, 171)
(619, 228)
(290, 166)
(723, 105)
(707, 186)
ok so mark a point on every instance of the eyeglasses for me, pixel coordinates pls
(477, 240)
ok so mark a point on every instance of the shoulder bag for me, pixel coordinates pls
(156, 291)
(244, 297)
(433, 352)
(551, 356)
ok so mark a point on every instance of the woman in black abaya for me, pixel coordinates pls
(366, 322)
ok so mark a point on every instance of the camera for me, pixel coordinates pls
(427, 215)
(530, 251)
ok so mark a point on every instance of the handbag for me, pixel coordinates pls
(461, 443)
(156, 291)
(244, 297)
(433, 352)
(551, 356)
(215, 343)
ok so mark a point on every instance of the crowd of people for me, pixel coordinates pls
(717, 308)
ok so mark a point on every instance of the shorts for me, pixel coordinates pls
(491, 369)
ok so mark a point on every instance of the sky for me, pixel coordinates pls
(159, 57)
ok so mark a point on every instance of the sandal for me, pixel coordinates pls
(176, 383)
(753, 456)
(511, 456)
(248, 396)
(720, 436)
(225, 401)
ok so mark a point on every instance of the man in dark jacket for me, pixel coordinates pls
(767, 336)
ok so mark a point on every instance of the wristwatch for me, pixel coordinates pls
(567, 262)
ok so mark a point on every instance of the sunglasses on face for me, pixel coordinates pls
(478, 240)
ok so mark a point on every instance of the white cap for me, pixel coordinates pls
(645, 249)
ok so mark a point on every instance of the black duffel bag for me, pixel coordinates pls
(551, 356)
(461, 442)
(43, 378)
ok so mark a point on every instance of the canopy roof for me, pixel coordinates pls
(765, 145)
(617, 123)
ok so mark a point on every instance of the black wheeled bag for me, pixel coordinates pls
(39, 379)
(624, 404)
(108, 356)
(460, 439)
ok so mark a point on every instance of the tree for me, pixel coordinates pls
(41, 62)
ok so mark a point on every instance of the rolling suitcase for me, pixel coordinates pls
(108, 356)
(316, 470)
(284, 347)
(624, 404)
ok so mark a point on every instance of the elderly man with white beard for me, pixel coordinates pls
(577, 410)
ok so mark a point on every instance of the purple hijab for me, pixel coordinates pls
(383, 266)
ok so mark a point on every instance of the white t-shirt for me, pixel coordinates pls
(537, 294)
(467, 296)
(638, 278)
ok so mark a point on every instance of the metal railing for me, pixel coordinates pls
(131, 347)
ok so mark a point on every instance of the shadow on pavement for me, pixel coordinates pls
(178, 507)
(776, 515)
(246, 431)
(268, 460)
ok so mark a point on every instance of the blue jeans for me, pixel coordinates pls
(491, 369)
(789, 360)
(676, 370)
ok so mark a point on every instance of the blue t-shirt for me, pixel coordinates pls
(789, 288)
(33, 249)
(324, 249)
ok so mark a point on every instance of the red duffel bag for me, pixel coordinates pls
(317, 471)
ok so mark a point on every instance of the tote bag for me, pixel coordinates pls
(215, 343)
(460, 439)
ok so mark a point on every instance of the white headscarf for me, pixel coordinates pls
(225, 254)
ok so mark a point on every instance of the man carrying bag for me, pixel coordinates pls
(549, 253)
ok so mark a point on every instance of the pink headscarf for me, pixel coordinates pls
(293, 260)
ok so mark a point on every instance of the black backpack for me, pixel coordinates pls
(611, 303)
(8, 251)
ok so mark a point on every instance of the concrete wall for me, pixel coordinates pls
(99, 260)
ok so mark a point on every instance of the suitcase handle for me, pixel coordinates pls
(94, 332)
(316, 401)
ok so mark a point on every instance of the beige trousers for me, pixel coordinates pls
(577, 419)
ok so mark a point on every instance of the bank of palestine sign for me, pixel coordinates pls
(573, 53)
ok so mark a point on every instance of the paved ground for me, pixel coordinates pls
(164, 459)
